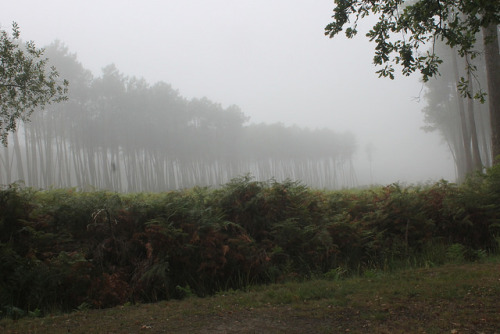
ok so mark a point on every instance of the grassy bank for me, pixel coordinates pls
(455, 298)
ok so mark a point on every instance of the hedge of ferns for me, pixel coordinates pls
(64, 249)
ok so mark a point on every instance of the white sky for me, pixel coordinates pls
(269, 57)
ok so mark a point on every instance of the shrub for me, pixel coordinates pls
(63, 248)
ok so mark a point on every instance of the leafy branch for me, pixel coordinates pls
(25, 81)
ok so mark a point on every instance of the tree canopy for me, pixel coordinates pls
(403, 27)
(25, 81)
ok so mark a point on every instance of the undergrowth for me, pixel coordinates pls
(66, 249)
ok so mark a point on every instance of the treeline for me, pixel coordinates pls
(63, 249)
(123, 134)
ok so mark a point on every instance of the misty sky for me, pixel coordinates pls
(268, 57)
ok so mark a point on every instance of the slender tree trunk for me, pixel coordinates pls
(456, 147)
(7, 165)
(492, 58)
(483, 134)
(19, 160)
(35, 176)
(463, 122)
(476, 157)
(41, 158)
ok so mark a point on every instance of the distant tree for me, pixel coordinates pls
(404, 26)
(25, 82)
(462, 122)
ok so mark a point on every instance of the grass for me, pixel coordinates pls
(457, 298)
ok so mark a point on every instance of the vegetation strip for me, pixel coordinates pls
(449, 299)
(66, 250)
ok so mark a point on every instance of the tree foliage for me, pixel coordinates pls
(25, 81)
(404, 27)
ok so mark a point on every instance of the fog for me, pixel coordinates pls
(270, 58)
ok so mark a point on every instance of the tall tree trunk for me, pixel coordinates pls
(492, 58)
(19, 160)
(476, 157)
(8, 166)
(483, 130)
(463, 122)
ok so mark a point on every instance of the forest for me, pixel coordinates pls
(123, 134)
